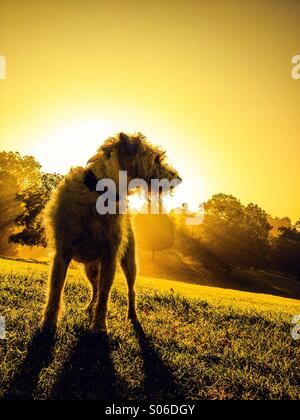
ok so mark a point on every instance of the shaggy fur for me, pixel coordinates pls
(76, 231)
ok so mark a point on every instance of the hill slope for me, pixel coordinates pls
(172, 265)
(193, 341)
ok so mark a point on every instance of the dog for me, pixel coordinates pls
(76, 231)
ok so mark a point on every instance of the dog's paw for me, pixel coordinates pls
(48, 330)
(48, 327)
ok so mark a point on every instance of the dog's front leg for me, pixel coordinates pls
(128, 264)
(108, 269)
(57, 281)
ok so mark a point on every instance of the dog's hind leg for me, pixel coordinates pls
(92, 272)
(57, 281)
(107, 274)
(128, 264)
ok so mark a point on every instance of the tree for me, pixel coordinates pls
(155, 232)
(235, 234)
(257, 232)
(277, 223)
(34, 199)
(286, 250)
(25, 169)
(24, 193)
(16, 173)
(10, 209)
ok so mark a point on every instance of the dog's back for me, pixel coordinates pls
(73, 224)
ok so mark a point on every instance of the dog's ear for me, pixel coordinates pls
(123, 138)
(90, 180)
(127, 146)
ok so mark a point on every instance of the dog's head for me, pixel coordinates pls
(145, 161)
(141, 159)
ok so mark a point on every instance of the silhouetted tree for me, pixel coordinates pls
(34, 200)
(16, 174)
(24, 192)
(237, 235)
(277, 223)
(256, 230)
(25, 169)
(286, 250)
(10, 208)
(155, 232)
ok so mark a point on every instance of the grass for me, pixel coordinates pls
(192, 342)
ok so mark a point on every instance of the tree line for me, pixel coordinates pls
(24, 192)
(234, 235)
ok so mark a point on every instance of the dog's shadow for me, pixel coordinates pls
(39, 356)
(159, 382)
(88, 372)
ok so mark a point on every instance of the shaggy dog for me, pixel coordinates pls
(100, 242)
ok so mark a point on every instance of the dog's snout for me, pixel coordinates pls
(177, 178)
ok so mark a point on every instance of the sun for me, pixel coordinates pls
(192, 196)
(71, 145)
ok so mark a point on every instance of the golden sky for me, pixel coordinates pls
(208, 80)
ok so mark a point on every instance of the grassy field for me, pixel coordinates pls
(192, 342)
